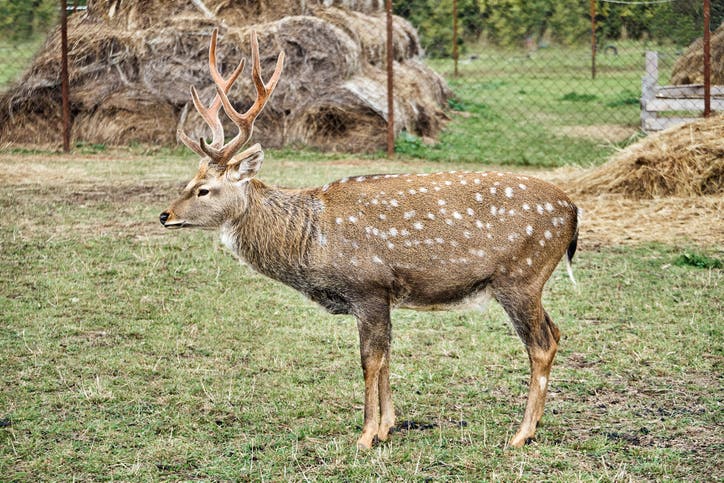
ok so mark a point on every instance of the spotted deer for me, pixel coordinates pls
(367, 244)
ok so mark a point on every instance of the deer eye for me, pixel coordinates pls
(202, 192)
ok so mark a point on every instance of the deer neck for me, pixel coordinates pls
(275, 231)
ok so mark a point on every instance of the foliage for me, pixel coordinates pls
(698, 260)
(537, 22)
(23, 19)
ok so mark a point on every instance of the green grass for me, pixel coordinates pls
(131, 353)
(541, 109)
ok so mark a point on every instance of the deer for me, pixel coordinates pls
(367, 244)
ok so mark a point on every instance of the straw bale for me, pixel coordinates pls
(131, 67)
(689, 67)
(686, 160)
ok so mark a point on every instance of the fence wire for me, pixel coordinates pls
(522, 79)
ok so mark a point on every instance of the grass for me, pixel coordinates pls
(130, 353)
(542, 108)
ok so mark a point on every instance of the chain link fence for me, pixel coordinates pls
(549, 80)
(538, 82)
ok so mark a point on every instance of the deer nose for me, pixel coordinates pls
(163, 218)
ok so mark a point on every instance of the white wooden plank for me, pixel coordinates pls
(661, 105)
(688, 91)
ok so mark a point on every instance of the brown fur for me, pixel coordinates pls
(366, 245)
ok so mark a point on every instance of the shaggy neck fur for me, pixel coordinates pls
(275, 231)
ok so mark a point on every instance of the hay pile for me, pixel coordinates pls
(689, 67)
(132, 62)
(682, 161)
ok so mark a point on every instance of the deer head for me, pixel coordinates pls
(220, 183)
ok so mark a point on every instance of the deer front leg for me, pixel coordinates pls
(374, 333)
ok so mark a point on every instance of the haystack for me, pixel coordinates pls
(132, 63)
(689, 67)
(686, 160)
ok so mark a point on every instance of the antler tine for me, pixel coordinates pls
(210, 114)
(245, 122)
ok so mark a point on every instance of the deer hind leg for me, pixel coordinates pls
(374, 332)
(540, 336)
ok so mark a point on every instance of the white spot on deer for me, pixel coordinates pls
(353, 261)
(344, 180)
(428, 241)
(431, 216)
(393, 231)
(448, 182)
(529, 261)
(539, 209)
(522, 186)
(374, 201)
(478, 197)
(463, 182)
(511, 212)
(409, 214)
(393, 202)
(457, 215)
(439, 240)
(359, 179)
(352, 219)
(509, 192)
(423, 174)
(368, 229)
(325, 187)
(547, 234)
(338, 220)
(454, 243)
(441, 202)
(443, 211)
(526, 206)
(501, 211)
(436, 188)
(542, 381)
(476, 181)
(449, 221)
(477, 253)
(407, 243)
(382, 216)
(404, 232)
(411, 191)
(355, 245)
(479, 224)
(422, 190)
(377, 259)
(493, 190)
(542, 242)
(513, 236)
(470, 211)
(375, 231)
(549, 207)
(493, 210)
(488, 226)
(390, 245)
(418, 225)
(383, 235)
(555, 221)
(467, 234)
(529, 230)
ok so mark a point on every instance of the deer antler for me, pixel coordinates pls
(219, 152)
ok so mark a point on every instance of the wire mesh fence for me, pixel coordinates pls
(538, 82)
(558, 79)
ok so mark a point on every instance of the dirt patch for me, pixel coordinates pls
(608, 133)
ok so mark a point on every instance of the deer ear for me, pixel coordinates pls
(246, 164)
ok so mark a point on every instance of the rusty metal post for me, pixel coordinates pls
(455, 36)
(64, 88)
(390, 85)
(593, 39)
(707, 58)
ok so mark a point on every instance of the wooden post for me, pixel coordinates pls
(455, 37)
(593, 38)
(648, 87)
(390, 85)
(707, 58)
(64, 88)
